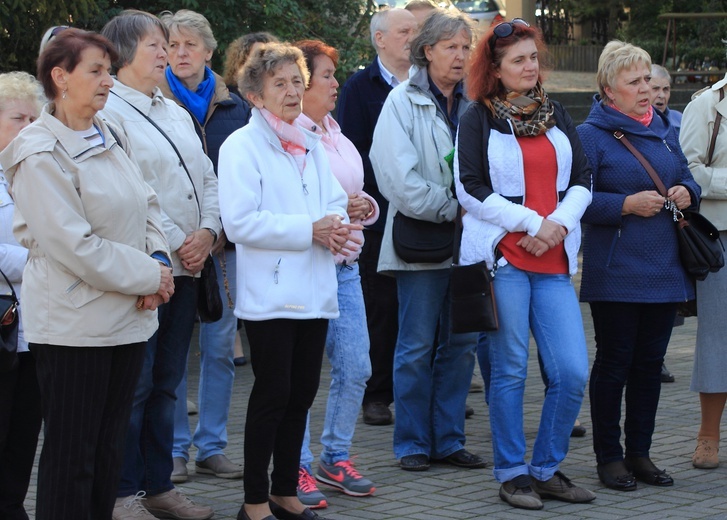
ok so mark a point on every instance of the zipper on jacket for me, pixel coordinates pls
(667, 145)
(276, 272)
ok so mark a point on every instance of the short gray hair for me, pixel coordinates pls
(440, 25)
(661, 72)
(616, 56)
(380, 23)
(127, 29)
(20, 86)
(267, 59)
(188, 20)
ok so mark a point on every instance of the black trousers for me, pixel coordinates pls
(286, 357)
(86, 395)
(20, 421)
(631, 340)
(382, 316)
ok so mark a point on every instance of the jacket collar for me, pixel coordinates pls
(43, 135)
(137, 98)
(610, 120)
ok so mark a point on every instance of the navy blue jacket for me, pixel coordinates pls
(631, 258)
(359, 106)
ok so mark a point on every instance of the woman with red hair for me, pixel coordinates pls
(524, 180)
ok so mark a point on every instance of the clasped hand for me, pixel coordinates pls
(548, 236)
(150, 302)
(333, 233)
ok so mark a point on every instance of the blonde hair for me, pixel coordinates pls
(617, 56)
(264, 62)
(20, 86)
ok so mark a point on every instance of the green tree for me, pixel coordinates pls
(340, 23)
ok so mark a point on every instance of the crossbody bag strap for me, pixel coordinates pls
(647, 166)
(715, 131)
(15, 296)
(457, 235)
(181, 160)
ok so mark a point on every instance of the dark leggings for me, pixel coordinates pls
(286, 357)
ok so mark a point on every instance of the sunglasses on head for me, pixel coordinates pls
(505, 29)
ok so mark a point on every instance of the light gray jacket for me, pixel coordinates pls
(161, 166)
(410, 143)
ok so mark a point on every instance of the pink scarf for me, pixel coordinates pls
(644, 120)
(291, 137)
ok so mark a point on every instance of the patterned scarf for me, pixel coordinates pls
(531, 114)
(291, 137)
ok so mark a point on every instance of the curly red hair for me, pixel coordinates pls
(482, 84)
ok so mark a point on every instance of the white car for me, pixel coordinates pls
(484, 11)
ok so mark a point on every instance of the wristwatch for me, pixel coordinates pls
(214, 234)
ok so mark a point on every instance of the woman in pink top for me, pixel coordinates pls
(347, 344)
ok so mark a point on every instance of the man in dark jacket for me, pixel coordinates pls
(359, 107)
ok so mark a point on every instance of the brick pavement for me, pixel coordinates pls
(445, 492)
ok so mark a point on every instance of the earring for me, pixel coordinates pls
(63, 94)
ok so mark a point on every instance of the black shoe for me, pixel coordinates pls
(377, 414)
(283, 514)
(242, 515)
(645, 471)
(666, 376)
(418, 462)
(615, 475)
(468, 412)
(464, 459)
(240, 361)
(578, 430)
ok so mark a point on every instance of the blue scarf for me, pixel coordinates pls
(198, 101)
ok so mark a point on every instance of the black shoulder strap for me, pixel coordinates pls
(176, 150)
(715, 131)
(12, 290)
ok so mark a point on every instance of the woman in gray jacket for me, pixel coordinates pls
(414, 134)
(98, 267)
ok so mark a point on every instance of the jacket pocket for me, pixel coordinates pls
(79, 293)
(612, 249)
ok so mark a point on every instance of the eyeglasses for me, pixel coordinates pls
(505, 29)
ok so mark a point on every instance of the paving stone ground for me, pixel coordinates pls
(445, 492)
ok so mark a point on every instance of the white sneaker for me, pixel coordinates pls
(131, 507)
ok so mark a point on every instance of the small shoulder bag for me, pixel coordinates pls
(700, 248)
(8, 329)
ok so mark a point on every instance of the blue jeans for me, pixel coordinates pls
(347, 347)
(545, 304)
(432, 374)
(217, 375)
(483, 359)
(148, 449)
(631, 340)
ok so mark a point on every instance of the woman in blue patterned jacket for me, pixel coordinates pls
(632, 275)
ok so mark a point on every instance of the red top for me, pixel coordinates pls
(541, 170)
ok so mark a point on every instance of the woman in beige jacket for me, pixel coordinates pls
(98, 267)
(707, 109)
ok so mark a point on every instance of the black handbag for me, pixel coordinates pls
(8, 329)
(209, 301)
(700, 249)
(471, 294)
(420, 241)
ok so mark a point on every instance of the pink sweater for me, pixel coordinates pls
(346, 165)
